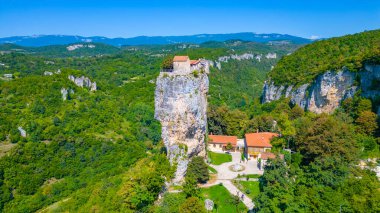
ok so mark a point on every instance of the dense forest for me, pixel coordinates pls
(101, 151)
(78, 146)
(350, 51)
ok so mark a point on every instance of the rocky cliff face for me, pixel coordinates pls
(83, 82)
(328, 90)
(180, 106)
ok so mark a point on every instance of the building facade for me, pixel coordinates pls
(258, 143)
(183, 65)
(220, 143)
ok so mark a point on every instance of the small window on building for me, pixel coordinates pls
(214, 145)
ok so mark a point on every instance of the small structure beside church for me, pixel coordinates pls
(219, 143)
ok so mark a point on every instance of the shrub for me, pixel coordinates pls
(195, 73)
(192, 204)
(167, 63)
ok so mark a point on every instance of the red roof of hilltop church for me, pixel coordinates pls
(180, 58)
(223, 139)
(260, 139)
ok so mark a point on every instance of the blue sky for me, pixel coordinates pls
(117, 18)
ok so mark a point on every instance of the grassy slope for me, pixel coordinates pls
(221, 198)
(252, 186)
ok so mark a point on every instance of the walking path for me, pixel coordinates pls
(235, 191)
(225, 175)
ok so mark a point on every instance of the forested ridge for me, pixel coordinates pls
(350, 51)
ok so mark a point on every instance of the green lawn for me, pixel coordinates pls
(219, 158)
(248, 186)
(221, 198)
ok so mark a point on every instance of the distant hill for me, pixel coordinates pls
(44, 40)
(69, 50)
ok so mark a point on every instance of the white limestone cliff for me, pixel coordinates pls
(180, 106)
(83, 82)
(328, 90)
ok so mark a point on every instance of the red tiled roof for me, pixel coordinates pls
(193, 62)
(223, 139)
(180, 58)
(270, 155)
(267, 155)
(260, 139)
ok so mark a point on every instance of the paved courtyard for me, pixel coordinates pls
(225, 175)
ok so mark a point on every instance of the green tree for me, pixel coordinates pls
(296, 112)
(366, 122)
(171, 202)
(229, 146)
(167, 63)
(324, 136)
(198, 169)
(235, 200)
(192, 205)
(190, 187)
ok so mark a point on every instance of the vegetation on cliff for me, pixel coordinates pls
(350, 51)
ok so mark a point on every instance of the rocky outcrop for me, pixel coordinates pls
(271, 56)
(328, 90)
(78, 46)
(244, 56)
(180, 106)
(65, 93)
(22, 131)
(370, 81)
(9, 76)
(83, 82)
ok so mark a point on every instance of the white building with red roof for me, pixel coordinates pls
(257, 143)
(183, 65)
(219, 143)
